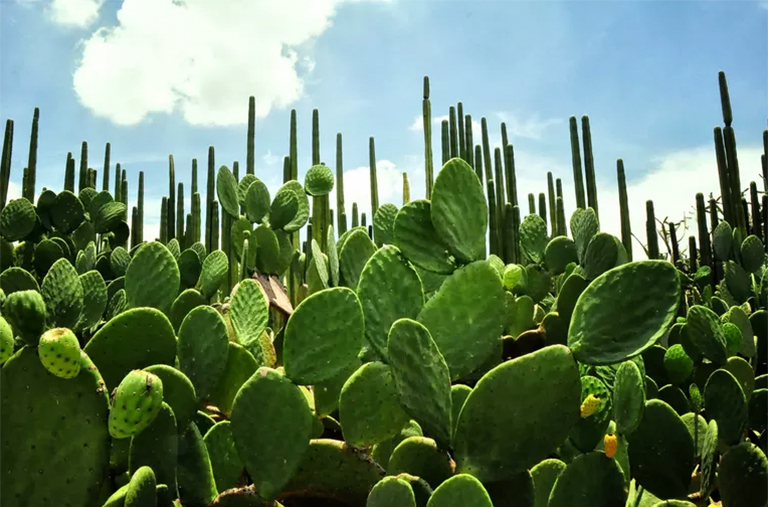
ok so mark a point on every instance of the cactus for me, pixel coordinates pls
(135, 404)
(5, 162)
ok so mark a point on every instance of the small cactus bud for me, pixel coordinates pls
(611, 443)
(590, 406)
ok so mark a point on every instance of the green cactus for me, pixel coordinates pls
(59, 352)
(135, 404)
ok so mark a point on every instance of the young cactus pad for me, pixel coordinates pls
(135, 404)
(59, 352)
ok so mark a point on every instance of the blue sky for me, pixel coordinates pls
(154, 78)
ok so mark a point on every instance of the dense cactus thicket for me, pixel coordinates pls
(460, 350)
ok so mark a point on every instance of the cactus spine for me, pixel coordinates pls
(427, 121)
(578, 179)
(341, 216)
(626, 225)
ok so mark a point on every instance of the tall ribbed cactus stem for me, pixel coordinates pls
(118, 181)
(426, 116)
(81, 181)
(725, 99)
(552, 204)
(249, 162)
(578, 179)
(5, 163)
(468, 141)
(210, 194)
(673, 243)
(374, 177)
(729, 137)
(494, 239)
(650, 231)
(105, 178)
(164, 221)
(134, 227)
(589, 165)
(355, 219)
(180, 215)
(487, 161)
(498, 184)
(453, 132)
(197, 219)
(341, 225)
(214, 225)
(406, 189)
(510, 234)
(543, 206)
(29, 190)
(140, 207)
(171, 198)
(462, 138)
(626, 224)
(692, 255)
(479, 163)
(193, 182)
(705, 247)
(562, 228)
(509, 167)
(363, 221)
(754, 202)
(531, 204)
(445, 141)
(69, 175)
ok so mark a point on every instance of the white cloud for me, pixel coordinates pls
(75, 13)
(532, 127)
(14, 191)
(270, 158)
(199, 57)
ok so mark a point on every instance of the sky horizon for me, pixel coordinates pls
(160, 77)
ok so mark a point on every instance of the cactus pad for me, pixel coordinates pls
(391, 492)
(628, 397)
(134, 339)
(353, 256)
(369, 406)
(646, 295)
(202, 350)
(389, 289)
(271, 425)
(533, 238)
(466, 317)
(25, 311)
(743, 476)
(417, 238)
(661, 452)
(724, 402)
(17, 219)
(461, 490)
(459, 210)
(225, 461)
(152, 278)
(590, 480)
(422, 378)
(63, 294)
(53, 453)
(551, 398)
(323, 336)
(249, 314)
(257, 204)
(319, 180)
(226, 191)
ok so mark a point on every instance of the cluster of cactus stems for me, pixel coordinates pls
(452, 351)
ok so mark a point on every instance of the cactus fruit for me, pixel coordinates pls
(611, 443)
(590, 406)
(135, 404)
(59, 352)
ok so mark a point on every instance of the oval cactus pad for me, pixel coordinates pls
(271, 425)
(466, 317)
(152, 278)
(459, 211)
(537, 395)
(643, 297)
(323, 336)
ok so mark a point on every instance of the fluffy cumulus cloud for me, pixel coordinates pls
(74, 13)
(199, 57)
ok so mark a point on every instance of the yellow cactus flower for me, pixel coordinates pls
(590, 405)
(611, 443)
